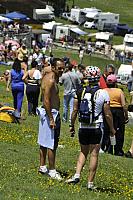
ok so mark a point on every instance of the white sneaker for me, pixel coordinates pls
(101, 151)
(43, 170)
(55, 175)
(91, 187)
(74, 180)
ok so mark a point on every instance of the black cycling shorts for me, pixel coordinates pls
(90, 136)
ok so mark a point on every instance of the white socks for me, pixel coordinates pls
(76, 175)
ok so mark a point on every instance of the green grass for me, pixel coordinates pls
(96, 60)
(19, 159)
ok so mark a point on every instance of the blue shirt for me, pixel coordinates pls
(16, 79)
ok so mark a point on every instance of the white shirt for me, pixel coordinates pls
(37, 75)
(38, 58)
(100, 97)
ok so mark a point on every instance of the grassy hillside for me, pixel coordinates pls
(123, 7)
(19, 159)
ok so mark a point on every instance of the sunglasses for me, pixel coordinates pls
(110, 73)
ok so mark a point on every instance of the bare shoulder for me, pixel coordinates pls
(48, 80)
(47, 69)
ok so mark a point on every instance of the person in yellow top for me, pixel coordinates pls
(119, 112)
(22, 53)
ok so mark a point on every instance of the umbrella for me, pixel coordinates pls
(5, 19)
(13, 42)
(16, 15)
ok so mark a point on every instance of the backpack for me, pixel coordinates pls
(87, 105)
(9, 114)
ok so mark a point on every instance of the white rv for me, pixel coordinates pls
(106, 18)
(80, 15)
(124, 72)
(77, 15)
(98, 19)
(127, 45)
(60, 31)
(91, 13)
(44, 14)
(103, 38)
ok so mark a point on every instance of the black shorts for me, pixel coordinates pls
(90, 136)
(57, 131)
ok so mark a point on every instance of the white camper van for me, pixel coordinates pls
(44, 14)
(106, 18)
(127, 45)
(59, 31)
(124, 72)
(90, 15)
(80, 15)
(102, 38)
(98, 19)
(77, 15)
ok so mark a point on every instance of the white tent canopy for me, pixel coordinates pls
(125, 69)
(123, 47)
(46, 11)
(5, 19)
(78, 31)
(128, 38)
(103, 35)
(49, 25)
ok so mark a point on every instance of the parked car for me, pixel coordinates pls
(122, 29)
(90, 25)
(65, 15)
(118, 29)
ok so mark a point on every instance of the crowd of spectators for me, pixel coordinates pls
(30, 68)
(9, 29)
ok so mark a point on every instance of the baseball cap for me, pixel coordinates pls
(74, 63)
(111, 78)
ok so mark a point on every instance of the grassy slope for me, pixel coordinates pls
(19, 161)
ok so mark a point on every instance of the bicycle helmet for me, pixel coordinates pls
(93, 73)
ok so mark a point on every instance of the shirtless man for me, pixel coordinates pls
(51, 101)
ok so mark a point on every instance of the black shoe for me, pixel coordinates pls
(119, 154)
(128, 154)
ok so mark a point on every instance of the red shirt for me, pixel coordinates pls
(102, 83)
